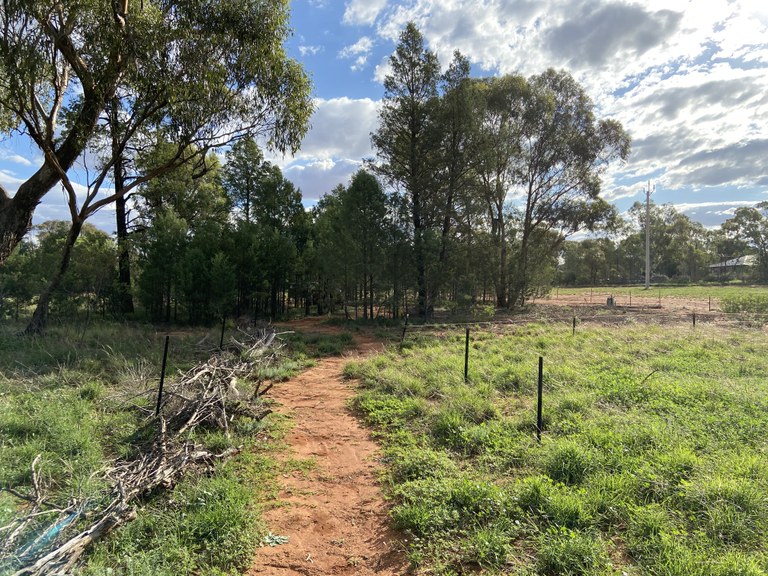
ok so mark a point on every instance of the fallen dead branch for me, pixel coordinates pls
(206, 396)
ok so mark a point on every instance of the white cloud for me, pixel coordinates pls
(316, 179)
(309, 50)
(363, 12)
(10, 181)
(689, 85)
(382, 70)
(730, 206)
(359, 51)
(359, 63)
(362, 46)
(10, 156)
(335, 146)
(711, 214)
(620, 192)
(341, 128)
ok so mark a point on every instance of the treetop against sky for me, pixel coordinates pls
(688, 82)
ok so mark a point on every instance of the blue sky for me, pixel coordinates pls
(687, 78)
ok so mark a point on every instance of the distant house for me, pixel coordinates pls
(734, 266)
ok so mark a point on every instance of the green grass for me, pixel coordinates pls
(756, 303)
(75, 400)
(316, 345)
(653, 459)
(207, 524)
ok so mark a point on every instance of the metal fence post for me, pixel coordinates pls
(162, 377)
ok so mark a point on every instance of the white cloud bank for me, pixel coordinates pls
(335, 146)
(363, 12)
(689, 82)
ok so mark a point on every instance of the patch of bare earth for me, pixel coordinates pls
(638, 303)
(333, 514)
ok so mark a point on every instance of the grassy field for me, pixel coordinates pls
(74, 399)
(653, 458)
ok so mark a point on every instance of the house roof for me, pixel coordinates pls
(748, 260)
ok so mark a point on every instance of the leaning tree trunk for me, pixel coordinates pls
(39, 319)
(16, 215)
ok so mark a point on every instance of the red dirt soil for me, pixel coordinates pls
(334, 515)
(636, 302)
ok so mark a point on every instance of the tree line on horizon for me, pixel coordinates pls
(193, 263)
(427, 223)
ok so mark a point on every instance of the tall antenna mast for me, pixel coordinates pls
(648, 235)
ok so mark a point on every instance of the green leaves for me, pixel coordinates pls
(197, 72)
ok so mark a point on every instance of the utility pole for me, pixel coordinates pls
(648, 236)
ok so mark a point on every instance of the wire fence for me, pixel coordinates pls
(606, 316)
(681, 313)
(697, 323)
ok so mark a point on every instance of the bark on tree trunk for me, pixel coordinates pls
(16, 218)
(421, 275)
(39, 319)
(521, 279)
(124, 295)
(502, 298)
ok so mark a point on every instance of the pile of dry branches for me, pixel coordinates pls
(204, 397)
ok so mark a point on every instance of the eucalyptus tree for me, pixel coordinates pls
(591, 262)
(405, 140)
(201, 73)
(750, 226)
(18, 280)
(89, 279)
(678, 245)
(563, 150)
(499, 141)
(456, 123)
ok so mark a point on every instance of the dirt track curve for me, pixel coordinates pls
(334, 515)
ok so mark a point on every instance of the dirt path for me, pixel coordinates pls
(334, 515)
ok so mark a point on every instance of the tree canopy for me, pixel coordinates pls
(198, 72)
